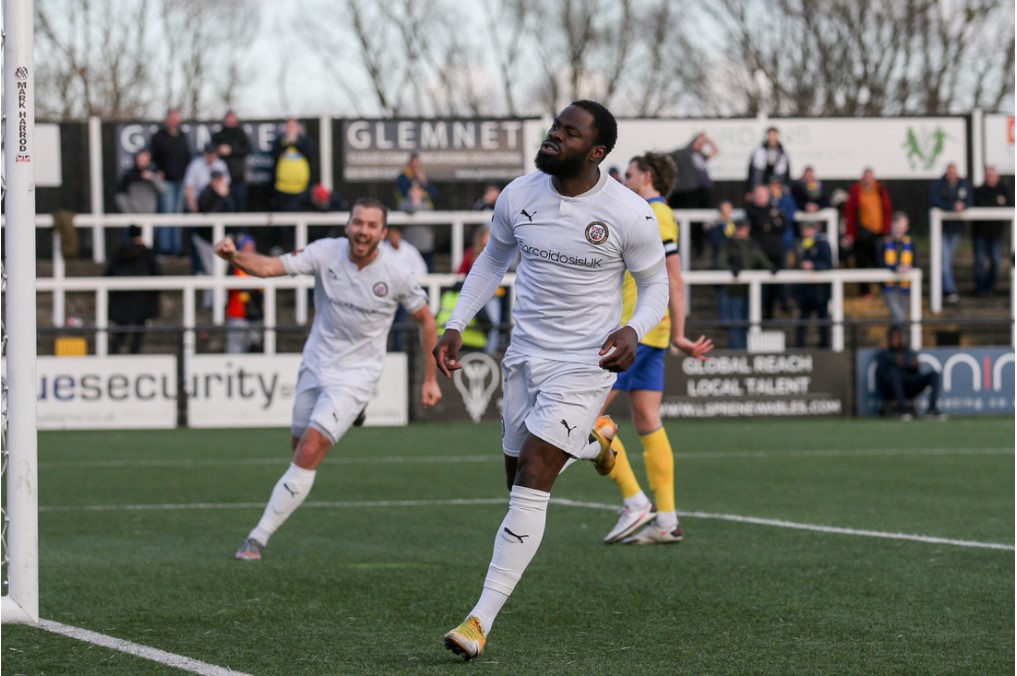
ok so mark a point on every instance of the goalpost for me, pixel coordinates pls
(20, 601)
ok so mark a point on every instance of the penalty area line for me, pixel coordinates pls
(145, 652)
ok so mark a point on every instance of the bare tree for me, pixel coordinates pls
(104, 57)
(866, 57)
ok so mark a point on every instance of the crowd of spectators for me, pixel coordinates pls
(769, 230)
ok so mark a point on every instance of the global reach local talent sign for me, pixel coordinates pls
(741, 385)
(450, 149)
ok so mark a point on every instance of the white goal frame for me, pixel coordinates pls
(20, 600)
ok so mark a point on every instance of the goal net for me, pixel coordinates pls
(19, 457)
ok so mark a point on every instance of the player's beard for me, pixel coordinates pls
(560, 166)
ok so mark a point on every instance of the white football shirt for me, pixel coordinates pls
(353, 309)
(573, 255)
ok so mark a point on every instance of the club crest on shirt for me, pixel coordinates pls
(381, 289)
(597, 233)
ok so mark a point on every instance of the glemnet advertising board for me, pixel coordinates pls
(999, 142)
(742, 385)
(121, 392)
(476, 149)
(253, 390)
(973, 381)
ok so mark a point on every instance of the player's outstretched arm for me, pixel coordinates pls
(250, 262)
(430, 393)
(446, 352)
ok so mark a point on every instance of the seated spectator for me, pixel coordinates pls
(487, 200)
(812, 252)
(899, 377)
(493, 307)
(132, 310)
(139, 188)
(899, 255)
(740, 252)
(324, 199)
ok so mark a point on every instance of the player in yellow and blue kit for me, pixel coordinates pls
(651, 176)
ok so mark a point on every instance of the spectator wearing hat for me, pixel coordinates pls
(131, 311)
(199, 175)
(325, 200)
(234, 147)
(217, 197)
(243, 310)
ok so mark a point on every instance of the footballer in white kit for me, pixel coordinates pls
(357, 290)
(576, 231)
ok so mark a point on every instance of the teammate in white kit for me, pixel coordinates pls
(356, 292)
(577, 230)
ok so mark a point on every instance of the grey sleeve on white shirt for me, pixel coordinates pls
(484, 279)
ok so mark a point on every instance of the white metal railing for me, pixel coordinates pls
(434, 284)
(686, 217)
(936, 218)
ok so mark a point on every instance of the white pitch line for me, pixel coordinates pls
(361, 504)
(496, 457)
(780, 523)
(153, 654)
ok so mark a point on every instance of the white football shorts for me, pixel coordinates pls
(331, 409)
(556, 401)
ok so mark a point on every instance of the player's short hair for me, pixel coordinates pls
(371, 203)
(603, 121)
(661, 167)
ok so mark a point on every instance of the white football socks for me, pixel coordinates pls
(288, 494)
(637, 501)
(515, 544)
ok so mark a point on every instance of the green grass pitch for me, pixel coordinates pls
(137, 531)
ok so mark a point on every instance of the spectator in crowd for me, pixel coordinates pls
(899, 377)
(217, 196)
(615, 173)
(325, 200)
(199, 175)
(866, 219)
(415, 193)
(139, 188)
(419, 235)
(952, 194)
(720, 230)
(694, 188)
(768, 160)
(812, 252)
(769, 225)
(396, 247)
(131, 311)
(487, 200)
(899, 255)
(293, 157)
(492, 309)
(809, 193)
(243, 309)
(740, 252)
(413, 174)
(233, 146)
(171, 153)
(987, 236)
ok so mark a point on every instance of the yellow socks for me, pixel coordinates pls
(659, 459)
